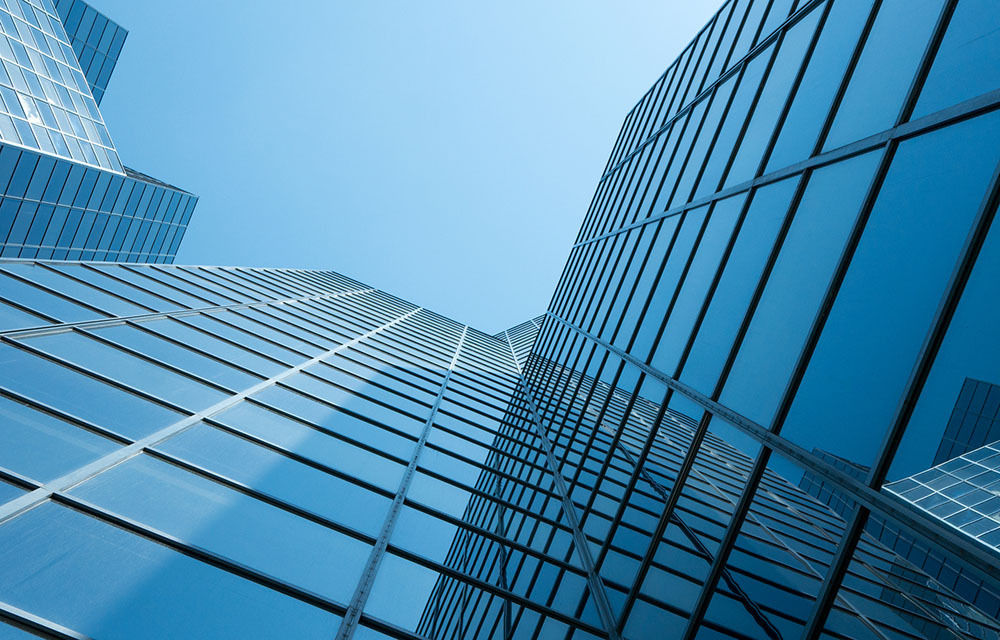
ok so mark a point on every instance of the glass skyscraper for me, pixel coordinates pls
(727, 424)
(64, 193)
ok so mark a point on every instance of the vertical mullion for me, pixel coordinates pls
(367, 580)
(597, 593)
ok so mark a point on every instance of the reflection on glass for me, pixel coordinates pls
(805, 264)
(885, 70)
(967, 63)
(111, 584)
(234, 525)
(888, 298)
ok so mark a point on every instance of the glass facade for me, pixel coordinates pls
(785, 279)
(96, 40)
(64, 194)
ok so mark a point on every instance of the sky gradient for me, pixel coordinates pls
(443, 151)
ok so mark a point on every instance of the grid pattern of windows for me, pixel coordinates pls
(56, 209)
(793, 236)
(973, 422)
(964, 492)
(257, 415)
(787, 274)
(65, 207)
(47, 103)
(522, 338)
(96, 41)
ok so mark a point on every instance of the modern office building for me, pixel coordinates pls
(789, 261)
(96, 41)
(64, 193)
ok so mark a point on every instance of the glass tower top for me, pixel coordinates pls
(47, 103)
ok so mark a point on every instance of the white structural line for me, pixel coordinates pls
(367, 580)
(597, 592)
(44, 492)
(176, 313)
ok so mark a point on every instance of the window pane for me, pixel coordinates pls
(178, 356)
(81, 395)
(42, 447)
(107, 583)
(885, 70)
(310, 443)
(279, 476)
(970, 352)
(968, 62)
(218, 519)
(796, 286)
(772, 99)
(737, 285)
(695, 285)
(123, 367)
(895, 282)
(814, 96)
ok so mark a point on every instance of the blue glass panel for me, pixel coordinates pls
(179, 356)
(310, 443)
(815, 93)
(8, 492)
(885, 71)
(732, 123)
(280, 476)
(94, 297)
(14, 318)
(695, 285)
(42, 447)
(107, 583)
(796, 286)
(971, 349)
(127, 368)
(9, 632)
(896, 280)
(232, 524)
(81, 395)
(968, 60)
(772, 99)
(45, 302)
(401, 592)
(737, 285)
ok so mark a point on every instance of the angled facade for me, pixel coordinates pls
(725, 425)
(64, 193)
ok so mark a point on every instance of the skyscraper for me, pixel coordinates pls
(786, 275)
(64, 194)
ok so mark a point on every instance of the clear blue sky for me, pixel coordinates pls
(444, 151)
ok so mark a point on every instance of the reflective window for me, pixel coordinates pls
(885, 70)
(894, 284)
(280, 476)
(970, 350)
(310, 443)
(13, 318)
(43, 447)
(178, 356)
(737, 285)
(401, 592)
(815, 93)
(108, 583)
(772, 99)
(8, 492)
(44, 302)
(795, 288)
(123, 367)
(81, 395)
(694, 287)
(967, 63)
(234, 525)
